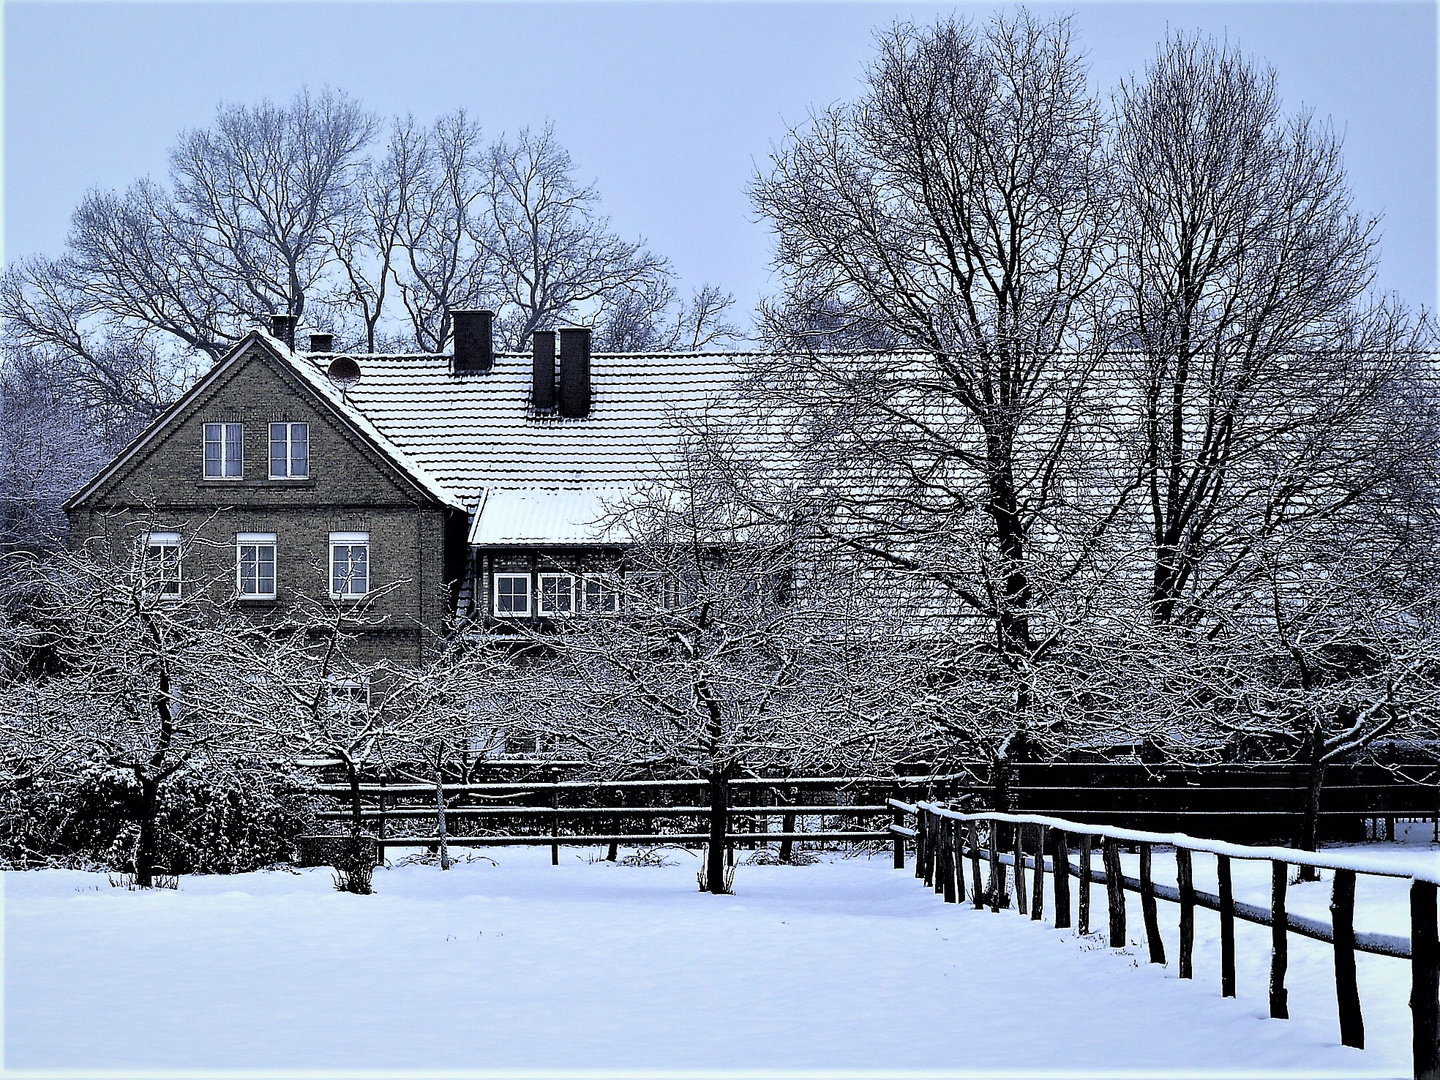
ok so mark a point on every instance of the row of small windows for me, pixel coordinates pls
(224, 451)
(257, 565)
(555, 594)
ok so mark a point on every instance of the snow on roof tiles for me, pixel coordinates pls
(536, 478)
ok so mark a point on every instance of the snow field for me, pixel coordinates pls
(843, 965)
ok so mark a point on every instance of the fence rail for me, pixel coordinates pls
(945, 839)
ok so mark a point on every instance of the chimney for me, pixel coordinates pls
(542, 384)
(575, 372)
(474, 341)
(283, 327)
(322, 343)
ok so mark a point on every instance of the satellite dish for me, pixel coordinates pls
(344, 373)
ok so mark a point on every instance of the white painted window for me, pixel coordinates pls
(255, 566)
(555, 594)
(348, 695)
(512, 594)
(289, 451)
(598, 596)
(161, 573)
(349, 565)
(224, 451)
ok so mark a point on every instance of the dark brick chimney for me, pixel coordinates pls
(542, 377)
(575, 371)
(322, 343)
(283, 327)
(474, 341)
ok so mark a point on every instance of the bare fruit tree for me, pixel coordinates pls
(714, 649)
(120, 670)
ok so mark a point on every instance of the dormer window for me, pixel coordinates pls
(289, 451)
(224, 451)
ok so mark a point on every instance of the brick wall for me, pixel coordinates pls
(350, 489)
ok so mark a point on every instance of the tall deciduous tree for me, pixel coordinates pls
(961, 209)
(1267, 390)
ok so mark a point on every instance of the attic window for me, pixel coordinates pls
(289, 451)
(224, 451)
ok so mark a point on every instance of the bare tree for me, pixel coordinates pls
(960, 209)
(124, 672)
(1266, 389)
(712, 650)
(652, 321)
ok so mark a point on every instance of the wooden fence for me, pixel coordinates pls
(1247, 803)
(554, 813)
(945, 839)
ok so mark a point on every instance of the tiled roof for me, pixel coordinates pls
(476, 437)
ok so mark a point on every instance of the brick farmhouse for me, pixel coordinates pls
(438, 487)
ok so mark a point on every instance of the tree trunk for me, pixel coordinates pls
(715, 852)
(440, 819)
(146, 847)
(1310, 825)
(352, 777)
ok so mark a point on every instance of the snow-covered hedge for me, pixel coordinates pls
(228, 824)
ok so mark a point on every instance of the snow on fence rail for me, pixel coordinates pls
(945, 838)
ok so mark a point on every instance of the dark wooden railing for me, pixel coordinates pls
(944, 839)
(555, 813)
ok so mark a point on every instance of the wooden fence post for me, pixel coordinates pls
(947, 859)
(1279, 941)
(898, 818)
(1347, 993)
(1185, 879)
(930, 841)
(997, 872)
(1147, 907)
(1227, 926)
(380, 847)
(555, 816)
(976, 892)
(921, 842)
(957, 851)
(1424, 980)
(1037, 901)
(1022, 903)
(1084, 926)
(1114, 891)
(1062, 879)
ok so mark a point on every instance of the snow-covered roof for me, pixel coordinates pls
(534, 478)
(536, 515)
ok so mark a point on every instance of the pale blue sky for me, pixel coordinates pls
(669, 107)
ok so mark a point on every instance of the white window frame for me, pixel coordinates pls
(256, 541)
(289, 440)
(555, 575)
(224, 442)
(608, 585)
(354, 691)
(350, 540)
(162, 541)
(495, 592)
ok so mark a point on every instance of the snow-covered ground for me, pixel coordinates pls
(515, 964)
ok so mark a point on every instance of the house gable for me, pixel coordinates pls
(255, 386)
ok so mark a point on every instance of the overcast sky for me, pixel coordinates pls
(669, 107)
